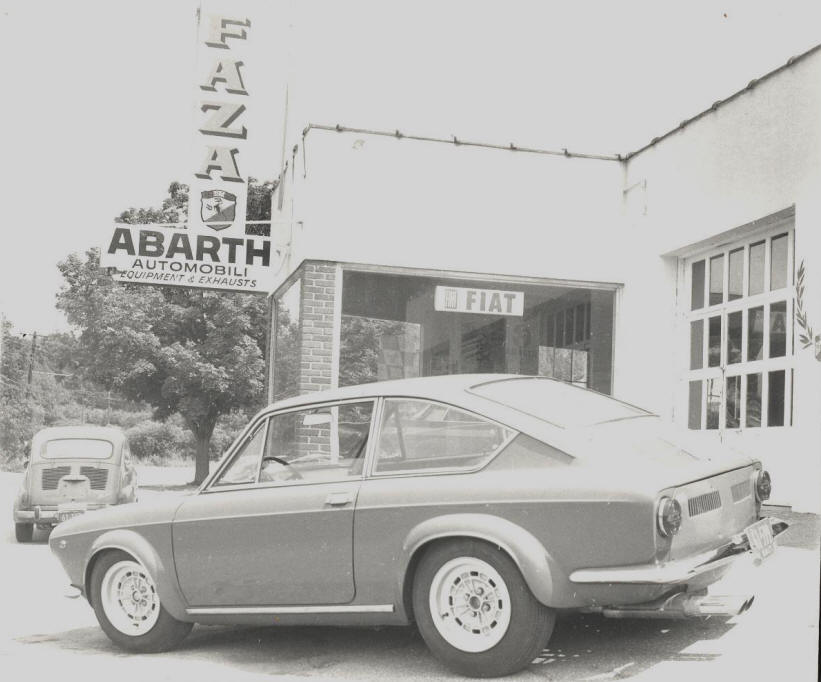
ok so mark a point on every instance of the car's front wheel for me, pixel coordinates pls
(475, 610)
(24, 532)
(128, 608)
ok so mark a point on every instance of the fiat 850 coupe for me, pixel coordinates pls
(475, 506)
(71, 470)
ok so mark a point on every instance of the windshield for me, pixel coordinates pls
(557, 402)
(78, 448)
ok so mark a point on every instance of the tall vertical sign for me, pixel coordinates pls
(216, 248)
(218, 187)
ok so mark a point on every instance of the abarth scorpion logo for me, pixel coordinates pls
(218, 208)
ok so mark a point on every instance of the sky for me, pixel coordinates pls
(99, 109)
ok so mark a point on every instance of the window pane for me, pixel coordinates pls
(778, 262)
(78, 448)
(550, 335)
(579, 336)
(756, 268)
(410, 442)
(697, 344)
(318, 445)
(568, 327)
(713, 402)
(755, 333)
(288, 341)
(243, 468)
(778, 329)
(697, 292)
(733, 409)
(736, 281)
(714, 342)
(753, 400)
(717, 279)
(775, 399)
(792, 395)
(694, 420)
(734, 337)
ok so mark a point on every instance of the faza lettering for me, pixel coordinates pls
(222, 116)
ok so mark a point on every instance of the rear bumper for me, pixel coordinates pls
(686, 570)
(45, 514)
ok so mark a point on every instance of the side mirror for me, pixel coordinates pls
(25, 462)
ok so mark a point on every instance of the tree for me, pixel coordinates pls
(195, 352)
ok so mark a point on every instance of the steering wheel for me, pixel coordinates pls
(294, 475)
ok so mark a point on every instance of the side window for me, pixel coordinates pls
(245, 464)
(318, 445)
(415, 438)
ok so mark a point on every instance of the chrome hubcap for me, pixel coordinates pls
(470, 604)
(129, 598)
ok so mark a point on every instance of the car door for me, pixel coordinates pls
(275, 525)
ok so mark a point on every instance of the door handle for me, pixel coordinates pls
(339, 499)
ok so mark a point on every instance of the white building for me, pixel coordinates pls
(684, 277)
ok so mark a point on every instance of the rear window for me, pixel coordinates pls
(556, 402)
(78, 448)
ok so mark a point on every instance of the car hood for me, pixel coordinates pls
(651, 450)
(121, 516)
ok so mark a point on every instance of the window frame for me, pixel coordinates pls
(370, 463)
(744, 304)
(210, 485)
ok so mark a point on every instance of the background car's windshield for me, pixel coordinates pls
(557, 402)
(78, 448)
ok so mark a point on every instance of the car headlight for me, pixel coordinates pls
(763, 486)
(668, 516)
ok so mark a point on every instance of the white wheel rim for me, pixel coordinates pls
(469, 604)
(129, 598)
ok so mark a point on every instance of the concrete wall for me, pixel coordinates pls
(367, 199)
(752, 157)
(430, 205)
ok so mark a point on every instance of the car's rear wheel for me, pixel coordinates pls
(24, 532)
(128, 608)
(475, 610)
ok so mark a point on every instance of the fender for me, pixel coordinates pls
(165, 577)
(531, 557)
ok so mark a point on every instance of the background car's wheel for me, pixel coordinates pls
(128, 608)
(24, 532)
(475, 611)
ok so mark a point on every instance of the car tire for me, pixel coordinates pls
(493, 626)
(137, 621)
(24, 532)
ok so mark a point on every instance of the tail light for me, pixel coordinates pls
(668, 516)
(763, 486)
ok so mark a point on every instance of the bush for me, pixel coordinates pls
(19, 421)
(155, 442)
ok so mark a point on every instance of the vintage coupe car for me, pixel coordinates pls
(71, 470)
(351, 507)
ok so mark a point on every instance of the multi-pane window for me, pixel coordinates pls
(740, 372)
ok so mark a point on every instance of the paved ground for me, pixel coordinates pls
(46, 636)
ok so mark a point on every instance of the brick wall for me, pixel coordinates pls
(317, 324)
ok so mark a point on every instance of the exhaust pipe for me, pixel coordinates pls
(683, 605)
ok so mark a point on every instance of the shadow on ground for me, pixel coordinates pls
(583, 645)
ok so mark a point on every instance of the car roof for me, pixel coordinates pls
(445, 388)
(110, 433)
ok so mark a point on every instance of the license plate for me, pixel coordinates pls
(66, 514)
(760, 536)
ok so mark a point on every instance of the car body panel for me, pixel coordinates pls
(234, 547)
(142, 530)
(575, 508)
